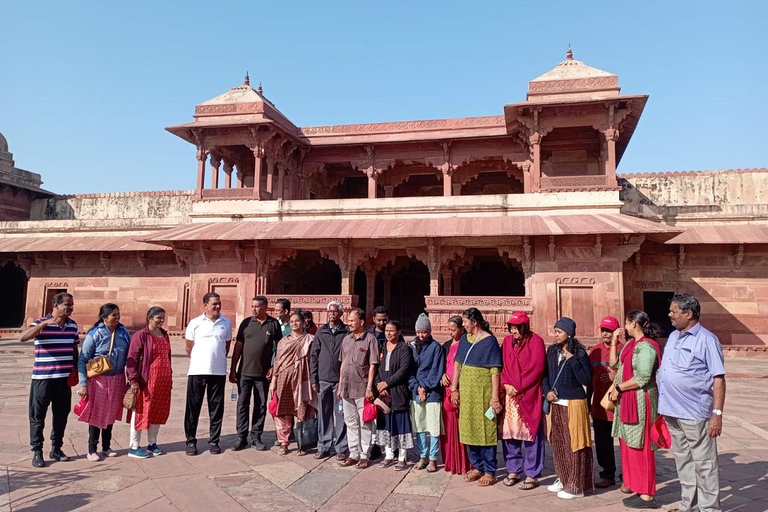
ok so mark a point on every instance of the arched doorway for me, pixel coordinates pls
(14, 296)
(491, 276)
(409, 285)
(306, 274)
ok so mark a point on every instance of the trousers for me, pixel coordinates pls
(697, 468)
(136, 434)
(482, 458)
(604, 449)
(359, 434)
(93, 438)
(42, 393)
(198, 387)
(332, 430)
(427, 449)
(525, 456)
(258, 387)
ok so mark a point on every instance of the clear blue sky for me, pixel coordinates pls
(87, 87)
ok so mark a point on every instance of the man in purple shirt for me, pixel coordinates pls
(691, 384)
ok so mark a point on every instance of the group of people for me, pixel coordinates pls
(369, 387)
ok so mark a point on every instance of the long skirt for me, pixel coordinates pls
(105, 400)
(454, 453)
(639, 464)
(574, 469)
(153, 404)
(394, 430)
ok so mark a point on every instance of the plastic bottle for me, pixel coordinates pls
(233, 396)
(341, 407)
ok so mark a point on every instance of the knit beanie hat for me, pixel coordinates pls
(423, 323)
(567, 325)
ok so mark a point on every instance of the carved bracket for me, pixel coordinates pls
(68, 259)
(680, 257)
(598, 248)
(630, 246)
(552, 247)
(637, 260)
(24, 263)
(240, 252)
(41, 262)
(106, 260)
(738, 257)
(142, 260)
(204, 253)
(183, 256)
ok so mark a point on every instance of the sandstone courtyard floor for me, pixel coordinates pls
(266, 481)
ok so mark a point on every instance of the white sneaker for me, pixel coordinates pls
(568, 496)
(556, 487)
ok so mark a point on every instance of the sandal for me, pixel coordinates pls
(421, 464)
(386, 463)
(283, 450)
(511, 480)
(363, 464)
(301, 453)
(400, 466)
(432, 466)
(528, 485)
(486, 480)
(473, 475)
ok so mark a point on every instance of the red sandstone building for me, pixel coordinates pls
(521, 211)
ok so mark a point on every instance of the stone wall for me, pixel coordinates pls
(174, 204)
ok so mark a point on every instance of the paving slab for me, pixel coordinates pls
(196, 492)
(317, 487)
(422, 483)
(256, 493)
(282, 474)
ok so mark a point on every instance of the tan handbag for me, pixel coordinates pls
(101, 364)
(606, 402)
(129, 400)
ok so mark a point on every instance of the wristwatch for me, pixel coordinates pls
(718, 412)
(618, 390)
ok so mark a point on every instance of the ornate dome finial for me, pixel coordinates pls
(260, 90)
(569, 53)
(247, 80)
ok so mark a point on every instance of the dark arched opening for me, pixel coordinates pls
(306, 274)
(14, 295)
(410, 283)
(490, 276)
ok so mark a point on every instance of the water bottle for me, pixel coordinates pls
(233, 396)
(341, 407)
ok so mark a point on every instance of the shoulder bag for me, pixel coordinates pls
(101, 364)
(545, 405)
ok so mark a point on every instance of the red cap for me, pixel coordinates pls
(519, 317)
(609, 323)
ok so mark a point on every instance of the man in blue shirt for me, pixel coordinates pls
(691, 384)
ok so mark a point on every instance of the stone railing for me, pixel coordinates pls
(578, 182)
(317, 304)
(496, 310)
(232, 193)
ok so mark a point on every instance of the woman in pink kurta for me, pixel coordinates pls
(454, 453)
(522, 427)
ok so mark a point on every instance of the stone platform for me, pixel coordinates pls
(266, 481)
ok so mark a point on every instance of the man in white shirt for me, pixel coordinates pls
(208, 337)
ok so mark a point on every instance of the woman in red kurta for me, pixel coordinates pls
(149, 373)
(454, 453)
(522, 428)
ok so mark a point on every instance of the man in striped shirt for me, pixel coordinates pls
(56, 342)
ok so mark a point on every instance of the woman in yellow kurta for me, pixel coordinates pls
(476, 376)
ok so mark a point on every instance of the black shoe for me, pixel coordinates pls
(191, 449)
(241, 444)
(58, 455)
(636, 502)
(215, 449)
(256, 444)
(37, 459)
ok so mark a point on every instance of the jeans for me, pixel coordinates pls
(430, 449)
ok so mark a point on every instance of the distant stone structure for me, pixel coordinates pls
(522, 211)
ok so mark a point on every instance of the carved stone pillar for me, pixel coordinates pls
(370, 292)
(448, 181)
(228, 164)
(262, 266)
(535, 142)
(456, 189)
(289, 179)
(201, 158)
(386, 277)
(373, 178)
(389, 191)
(215, 164)
(258, 160)
(281, 179)
(447, 281)
(611, 136)
(240, 176)
(433, 264)
(270, 175)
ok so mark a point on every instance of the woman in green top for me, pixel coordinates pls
(637, 400)
(476, 374)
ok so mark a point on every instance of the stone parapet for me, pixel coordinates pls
(317, 304)
(495, 310)
(133, 206)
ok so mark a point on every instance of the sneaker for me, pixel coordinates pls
(109, 453)
(191, 449)
(58, 455)
(241, 444)
(93, 457)
(556, 487)
(138, 453)
(154, 449)
(256, 444)
(215, 448)
(636, 502)
(37, 459)
(568, 496)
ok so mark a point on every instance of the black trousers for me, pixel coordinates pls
(199, 386)
(604, 448)
(42, 393)
(258, 387)
(93, 438)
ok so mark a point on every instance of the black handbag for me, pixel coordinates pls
(306, 434)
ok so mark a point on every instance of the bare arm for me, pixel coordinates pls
(235, 360)
(32, 332)
(716, 421)
(371, 376)
(189, 345)
(495, 404)
(455, 385)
